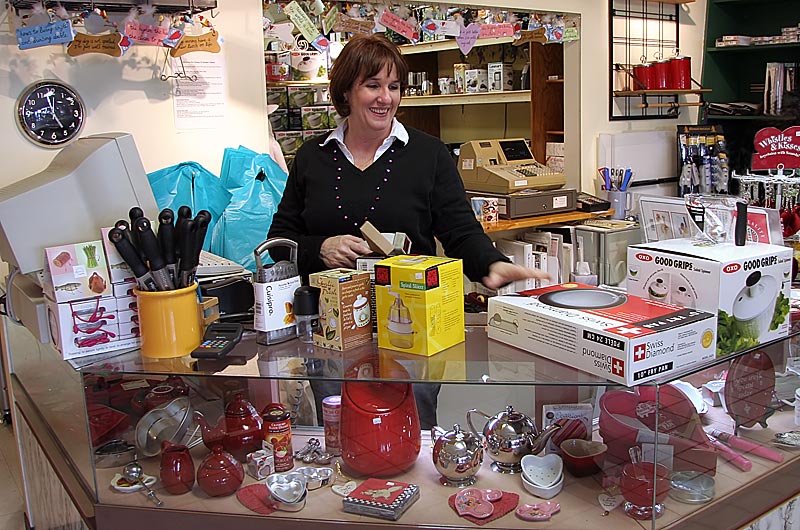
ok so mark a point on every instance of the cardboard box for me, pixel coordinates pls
(623, 338)
(501, 77)
(334, 120)
(344, 313)
(278, 95)
(300, 96)
(309, 66)
(290, 141)
(279, 120)
(314, 118)
(749, 286)
(554, 149)
(385, 243)
(476, 80)
(420, 303)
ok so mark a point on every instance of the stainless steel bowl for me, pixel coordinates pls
(168, 422)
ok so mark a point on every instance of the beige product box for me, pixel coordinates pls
(290, 141)
(748, 286)
(344, 313)
(476, 80)
(623, 338)
(501, 77)
(420, 303)
(300, 96)
(278, 95)
(314, 118)
(309, 66)
(554, 149)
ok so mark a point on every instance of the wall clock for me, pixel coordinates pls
(50, 113)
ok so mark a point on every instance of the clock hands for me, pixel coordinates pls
(49, 95)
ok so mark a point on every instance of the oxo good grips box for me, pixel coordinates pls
(420, 303)
(344, 315)
(748, 286)
(624, 338)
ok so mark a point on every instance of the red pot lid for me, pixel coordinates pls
(375, 396)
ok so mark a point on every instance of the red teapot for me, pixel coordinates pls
(240, 432)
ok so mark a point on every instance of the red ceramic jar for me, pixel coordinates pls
(220, 474)
(642, 76)
(177, 468)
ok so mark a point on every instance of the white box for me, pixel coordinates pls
(717, 278)
(554, 149)
(119, 270)
(477, 80)
(623, 338)
(123, 289)
(501, 77)
(309, 66)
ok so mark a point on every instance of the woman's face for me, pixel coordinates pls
(373, 102)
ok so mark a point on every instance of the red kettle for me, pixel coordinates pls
(379, 429)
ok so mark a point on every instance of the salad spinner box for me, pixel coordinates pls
(624, 338)
(748, 286)
(420, 303)
(344, 314)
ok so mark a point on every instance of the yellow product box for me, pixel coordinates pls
(420, 303)
(344, 314)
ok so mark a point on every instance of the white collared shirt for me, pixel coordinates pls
(398, 132)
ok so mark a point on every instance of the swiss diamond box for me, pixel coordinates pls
(749, 286)
(420, 303)
(624, 338)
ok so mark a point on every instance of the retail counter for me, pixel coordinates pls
(64, 490)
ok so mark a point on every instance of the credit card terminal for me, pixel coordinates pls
(218, 340)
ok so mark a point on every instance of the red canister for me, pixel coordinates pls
(642, 76)
(680, 72)
(660, 75)
(278, 435)
(331, 416)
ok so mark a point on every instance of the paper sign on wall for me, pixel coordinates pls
(110, 44)
(450, 28)
(466, 40)
(207, 42)
(353, 25)
(774, 147)
(496, 30)
(309, 30)
(44, 34)
(398, 25)
(282, 32)
(146, 33)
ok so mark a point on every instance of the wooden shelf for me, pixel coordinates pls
(676, 1)
(668, 92)
(555, 133)
(449, 44)
(510, 96)
(541, 220)
(561, 81)
(296, 83)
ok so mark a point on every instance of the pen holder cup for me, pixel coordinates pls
(170, 322)
(621, 202)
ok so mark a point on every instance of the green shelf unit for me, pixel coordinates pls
(752, 119)
(762, 48)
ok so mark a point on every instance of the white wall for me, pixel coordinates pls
(125, 94)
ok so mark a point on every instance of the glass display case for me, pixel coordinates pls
(75, 408)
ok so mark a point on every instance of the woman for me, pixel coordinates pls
(372, 168)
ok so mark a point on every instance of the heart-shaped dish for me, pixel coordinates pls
(582, 457)
(288, 487)
(543, 493)
(316, 477)
(541, 511)
(472, 501)
(543, 471)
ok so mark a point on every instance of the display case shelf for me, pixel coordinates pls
(481, 98)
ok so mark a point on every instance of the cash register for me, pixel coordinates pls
(504, 166)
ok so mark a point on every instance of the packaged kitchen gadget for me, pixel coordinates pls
(274, 288)
(748, 286)
(624, 338)
(344, 315)
(420, 303)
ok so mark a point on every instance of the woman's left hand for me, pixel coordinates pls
(502, 273)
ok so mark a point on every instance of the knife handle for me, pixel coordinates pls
(740, 234)
(187, 244)
(183, 215)
(149, 243)
(127, 251)
(201, 221)
(166, 235)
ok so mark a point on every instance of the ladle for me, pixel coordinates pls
(133, 473)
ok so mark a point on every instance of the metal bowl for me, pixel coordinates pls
(168, 422)
(583, 299)
(316, 477)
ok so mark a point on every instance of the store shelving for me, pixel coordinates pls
(449, 44)
(511, 96)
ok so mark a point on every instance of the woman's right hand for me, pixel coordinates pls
(342, 251)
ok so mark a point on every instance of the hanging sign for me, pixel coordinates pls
(466, 40)
(451, 28)
(44, 34)
(353, 25)
(775, 147)
(282, 32)
(146, 33)
(536, 35)
(173, 38)
(329, 20)
(110, 44)
(488, 31)
(398, 25)
(309, 30)
(207, 42)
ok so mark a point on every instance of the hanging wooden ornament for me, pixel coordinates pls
(207, 42)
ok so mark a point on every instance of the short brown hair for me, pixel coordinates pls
(361, 58)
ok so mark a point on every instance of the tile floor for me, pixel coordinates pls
(11, 500)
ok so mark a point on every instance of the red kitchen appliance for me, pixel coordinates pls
(379, 430)
(642, 76)
(629, 418)
(680, 72)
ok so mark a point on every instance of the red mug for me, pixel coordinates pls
(639, 483)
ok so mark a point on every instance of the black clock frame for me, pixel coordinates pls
(63, 116)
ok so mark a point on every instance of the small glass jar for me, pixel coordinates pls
(306, 312)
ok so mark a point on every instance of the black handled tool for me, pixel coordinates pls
(188, 262)
(740, 233)
(184, 214)
(151, 249)
(166, 240)
(131, 256)
(134, 214)
(201, 222)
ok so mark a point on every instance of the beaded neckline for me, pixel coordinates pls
(348, 217)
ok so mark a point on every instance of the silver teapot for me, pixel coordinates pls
(509, 435)
(457, 456)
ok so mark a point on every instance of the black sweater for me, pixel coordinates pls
(413, 188)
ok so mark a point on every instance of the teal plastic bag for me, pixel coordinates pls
(256, 183)
(190, 184)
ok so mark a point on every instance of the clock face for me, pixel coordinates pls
(50, 113)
